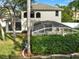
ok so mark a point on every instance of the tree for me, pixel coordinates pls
(67, 14)
(1, 25)
(28, 45)
(74, 4)
(3, 13)
(22, 4)
(13, 6)
(12, 10)
(28, 26)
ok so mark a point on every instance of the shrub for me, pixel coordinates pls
(55, 44)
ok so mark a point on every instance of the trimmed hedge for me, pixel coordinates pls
(55, 44)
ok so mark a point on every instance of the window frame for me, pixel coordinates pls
(38, 15)
(56, 13)
(18, 26)
(32, 14)
(25, 15)
(11, 29)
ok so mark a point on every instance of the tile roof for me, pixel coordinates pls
(36, 6)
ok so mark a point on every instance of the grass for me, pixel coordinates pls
(6, 47)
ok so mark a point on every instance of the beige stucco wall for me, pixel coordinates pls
(45, 15)
(49, 15)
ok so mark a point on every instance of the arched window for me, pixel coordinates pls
(32, 14)
(38, 15)
(25, 15)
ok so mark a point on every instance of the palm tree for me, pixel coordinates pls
(13, 4)
(3, 11)
(28, 29)
(28, 25)
(28, 47)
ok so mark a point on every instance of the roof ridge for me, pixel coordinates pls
(43, 4)
(40, 6)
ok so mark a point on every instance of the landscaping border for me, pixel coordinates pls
(54, 56)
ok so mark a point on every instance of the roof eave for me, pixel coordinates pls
(47, 9)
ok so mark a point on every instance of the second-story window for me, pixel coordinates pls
(32, 14)
(38, 15)
(25, 15)
(56, 13)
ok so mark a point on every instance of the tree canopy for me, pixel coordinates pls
(19, 4)
(74, 3)
(67, 14)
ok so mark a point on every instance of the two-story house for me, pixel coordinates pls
(44, 15)
(39, 12)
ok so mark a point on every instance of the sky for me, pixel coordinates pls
(54, 2)
(50, 2)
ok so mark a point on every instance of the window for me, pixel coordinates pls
(10, 27)
(38, 15)
(32, 14)
(18, 26)
(57, 13)
(25, 15)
